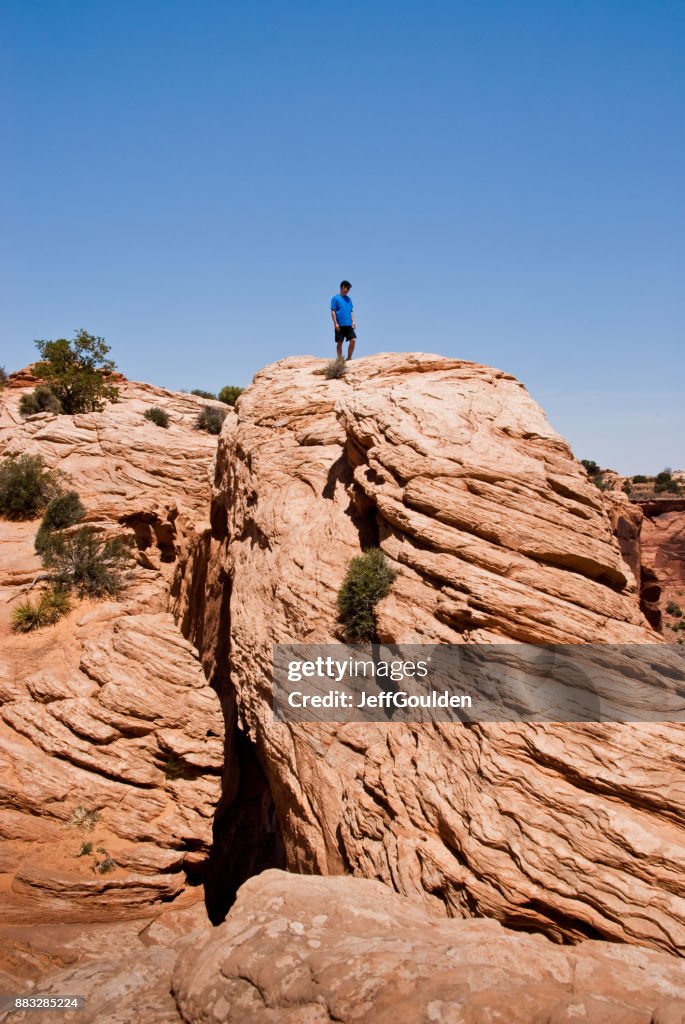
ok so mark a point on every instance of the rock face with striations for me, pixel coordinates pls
(109, 733)
(573, 830)
(663, 546)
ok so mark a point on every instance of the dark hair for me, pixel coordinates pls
(345, 284)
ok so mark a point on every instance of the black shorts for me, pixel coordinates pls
(345, 334)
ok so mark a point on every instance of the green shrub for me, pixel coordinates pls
(86, 849)
(335, 369)
(26, 617)
(49, 608)
(64, 510)
(203, 394)
(77, 372)
(85, 562)
(26, 486)
(668, 486)
(368, 580)
(627, 488)
(230, 394)
(210, 419)
(3, 376)
(104, 866)
(674, 609)
(39, 400)
(640, 479)
(157, 416)
(173, 767)
(591, 467)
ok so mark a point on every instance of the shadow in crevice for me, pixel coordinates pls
(339, 473)
(650, 597)
(247, 836)
(361, 509)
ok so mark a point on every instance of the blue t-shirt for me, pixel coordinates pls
(342, 304)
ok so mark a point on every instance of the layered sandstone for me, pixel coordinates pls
(109, 732)
(663, 551)
(574, 830)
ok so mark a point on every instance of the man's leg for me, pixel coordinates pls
(339, 344)
(350, 350)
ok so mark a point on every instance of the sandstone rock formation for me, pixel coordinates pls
(298, 950)
(122, 970)
(574, 830)
(338, 949)
(663, 551)
(109, 733)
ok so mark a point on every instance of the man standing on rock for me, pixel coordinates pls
(343, 319)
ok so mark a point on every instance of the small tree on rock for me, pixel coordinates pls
(230, 394)
(76, 372)
(368, 580)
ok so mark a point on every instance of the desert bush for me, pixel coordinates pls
(39, 400)
(86, 849)
(591, 467)
(203, 394)
(64, 510)
(173, 767)
(49, 608)
(83, 819)
(26, 486)
(26, 617)
(157, 416)
(664, 482)
(3, 376)
(104, 866)
(335, 369)
(640, 479)
(85, 562)
(368, 580)
(77, 372)
(627, 487)
(210, 419)
(674, 609)
(230, 394)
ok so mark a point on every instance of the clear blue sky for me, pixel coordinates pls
(501, 181)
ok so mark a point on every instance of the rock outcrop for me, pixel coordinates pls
(111, 740)
(316, 950)
(122, 971)
(111, 736)
(573, 830)
(663, 552)
(350, 950)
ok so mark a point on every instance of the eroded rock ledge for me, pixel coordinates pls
(107, 714)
